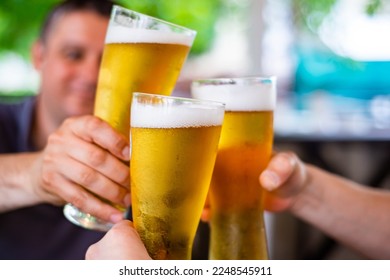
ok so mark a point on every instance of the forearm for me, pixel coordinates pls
(355, 215)
(16, 184)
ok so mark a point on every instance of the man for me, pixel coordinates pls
(357, 216)
(52, 150)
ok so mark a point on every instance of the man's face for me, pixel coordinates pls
(69, 63)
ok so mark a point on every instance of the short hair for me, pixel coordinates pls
(100, 7)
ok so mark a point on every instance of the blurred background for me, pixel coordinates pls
(332, 62)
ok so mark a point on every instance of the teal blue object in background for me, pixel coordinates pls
(322, 70)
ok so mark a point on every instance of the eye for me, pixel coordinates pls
(74, 55)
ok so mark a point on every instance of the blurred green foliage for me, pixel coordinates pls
(309, 14)
(20, 20)
(373, 6)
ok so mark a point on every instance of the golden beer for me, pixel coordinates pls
(245, 147)
(141, 53)
(135, 66)
(235, 195)
(172, 160)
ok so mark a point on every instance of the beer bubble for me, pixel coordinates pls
(177, 244)
(154, 224)
(175, 198)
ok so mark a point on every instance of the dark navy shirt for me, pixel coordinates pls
(42, 231)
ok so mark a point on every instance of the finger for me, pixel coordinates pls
(87, 202)
(99, 159)
(94, 182)
(111, 245)
(124, 225)
(279, 169)
(56, 183)
(126, 230)
(95, 130)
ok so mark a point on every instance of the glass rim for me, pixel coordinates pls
(189, 30)
(178, 99)
(245, 80)
(249, 93)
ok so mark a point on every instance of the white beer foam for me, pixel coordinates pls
(239, 97)
(121, 34)
(160, 116)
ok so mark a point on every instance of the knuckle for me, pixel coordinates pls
(97, 157)
(87, 177)
(47, 178)
(118, 143)
(92, 123)
(54, 139)
(68, 121)
(78, 199)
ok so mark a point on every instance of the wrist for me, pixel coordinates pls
(33, 180)
(16, 189)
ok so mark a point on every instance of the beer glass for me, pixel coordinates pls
(174, 144)
(237, 228)
(141, 53)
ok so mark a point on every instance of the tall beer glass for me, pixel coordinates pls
(141, 53)
(245, 147)
(174, 145)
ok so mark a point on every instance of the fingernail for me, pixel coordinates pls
(116, 218)
(270, 180)
(126, 152)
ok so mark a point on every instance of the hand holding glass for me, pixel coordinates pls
(141, 53)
